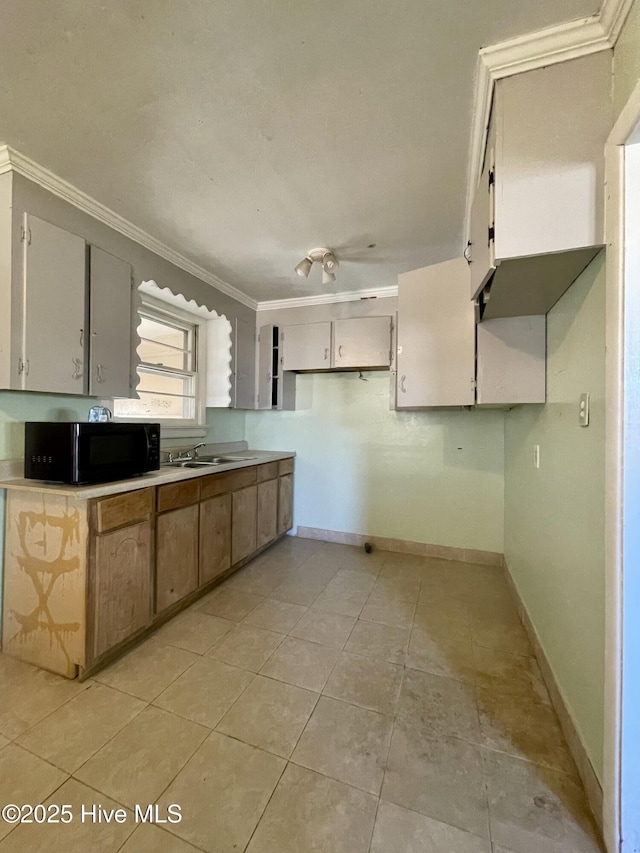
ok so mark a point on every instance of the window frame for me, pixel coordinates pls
(156, 309)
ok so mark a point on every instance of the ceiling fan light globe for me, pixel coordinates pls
(327, 277)
(304, 267)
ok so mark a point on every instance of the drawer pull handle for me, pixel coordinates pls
(402, 388)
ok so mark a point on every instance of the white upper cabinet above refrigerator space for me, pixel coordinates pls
(306, 346)
(537, 216)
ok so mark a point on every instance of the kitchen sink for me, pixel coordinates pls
(193, 463)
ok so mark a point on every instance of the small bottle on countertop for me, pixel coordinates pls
(99, 415)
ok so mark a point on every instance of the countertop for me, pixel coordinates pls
(153, 478)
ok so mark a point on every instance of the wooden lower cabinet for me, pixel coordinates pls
(244, 515)
(176, 555)
(121, 585)
(215, 538)
(267, 512)
(285, 503)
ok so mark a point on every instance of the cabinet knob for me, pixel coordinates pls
(77, 368)
(467, 252)
(402, 388)
(340, 351)
(100, 372)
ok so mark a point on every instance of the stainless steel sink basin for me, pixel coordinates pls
(192, 463)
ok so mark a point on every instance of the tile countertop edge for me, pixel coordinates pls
(154, 478)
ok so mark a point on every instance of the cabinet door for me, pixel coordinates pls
(54, 309)
(306, 347)
(243, 523)
(176, 555)
(285, 503)
(122, 585)
(265, 367)
(481, 244)
(244, 360)
(109, 325)
(215, 538)
(267, 512)
(362, 342)
(512, 360)
(436, 337)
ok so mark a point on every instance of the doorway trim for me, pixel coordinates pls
(617, 398)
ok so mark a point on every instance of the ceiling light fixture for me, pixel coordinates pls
(323, 256)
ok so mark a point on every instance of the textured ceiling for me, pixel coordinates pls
(244, 133)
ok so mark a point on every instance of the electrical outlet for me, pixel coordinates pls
(584, 410)
(536, 455)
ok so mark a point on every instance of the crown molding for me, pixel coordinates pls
(550, 46)
(328, 298)
(12, 160)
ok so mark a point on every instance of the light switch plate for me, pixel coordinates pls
(584, 410)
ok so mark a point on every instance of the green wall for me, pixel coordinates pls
(554, 516)
(434, 477)
(16, 407)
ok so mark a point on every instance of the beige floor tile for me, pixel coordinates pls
(149, 838)
(246, 646)
(345, 604)
(366, 682)
(441, 621)
(194, 631)
(403, 567)
(441, 707)
(442, 779)
(446, 654)
(524, 728)
(302, 664)
(399, 830)
(348, 581)
(328, 629)
(346, 743)
(382, 642)
(229, 603)
(320, 566)
(515, 675)
(25, 778)
(224, 790)
(205, 692)
(69, 736)
(357, 560)
(534, 808)
(302, 591)
(269, 714)
(140, 761)
(397, 614)
(78, 836)
(30, 694)
(396, 589)
(260, 577)
(4, 742)
(147, 670)
(310, 813)
(274, 615)
(505, 634)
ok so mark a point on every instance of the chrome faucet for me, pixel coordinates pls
(192, 453)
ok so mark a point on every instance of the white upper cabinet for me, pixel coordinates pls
(435, 337)
(362, 342)
(54, 282)
(537, 217)
(109, 325)
(512, 361)
(276, 387)
(244, 366)
(306, 346)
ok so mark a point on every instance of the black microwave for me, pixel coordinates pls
(81, 453)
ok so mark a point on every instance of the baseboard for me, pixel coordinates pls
(588, 775)
(404, 546)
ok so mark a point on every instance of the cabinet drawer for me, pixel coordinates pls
(123, 509)
(285, 466)
(174, 495)
(218, 484)
(267, 472)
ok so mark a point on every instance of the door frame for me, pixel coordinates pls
(621, 781)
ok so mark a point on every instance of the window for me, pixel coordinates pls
(171, 382)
